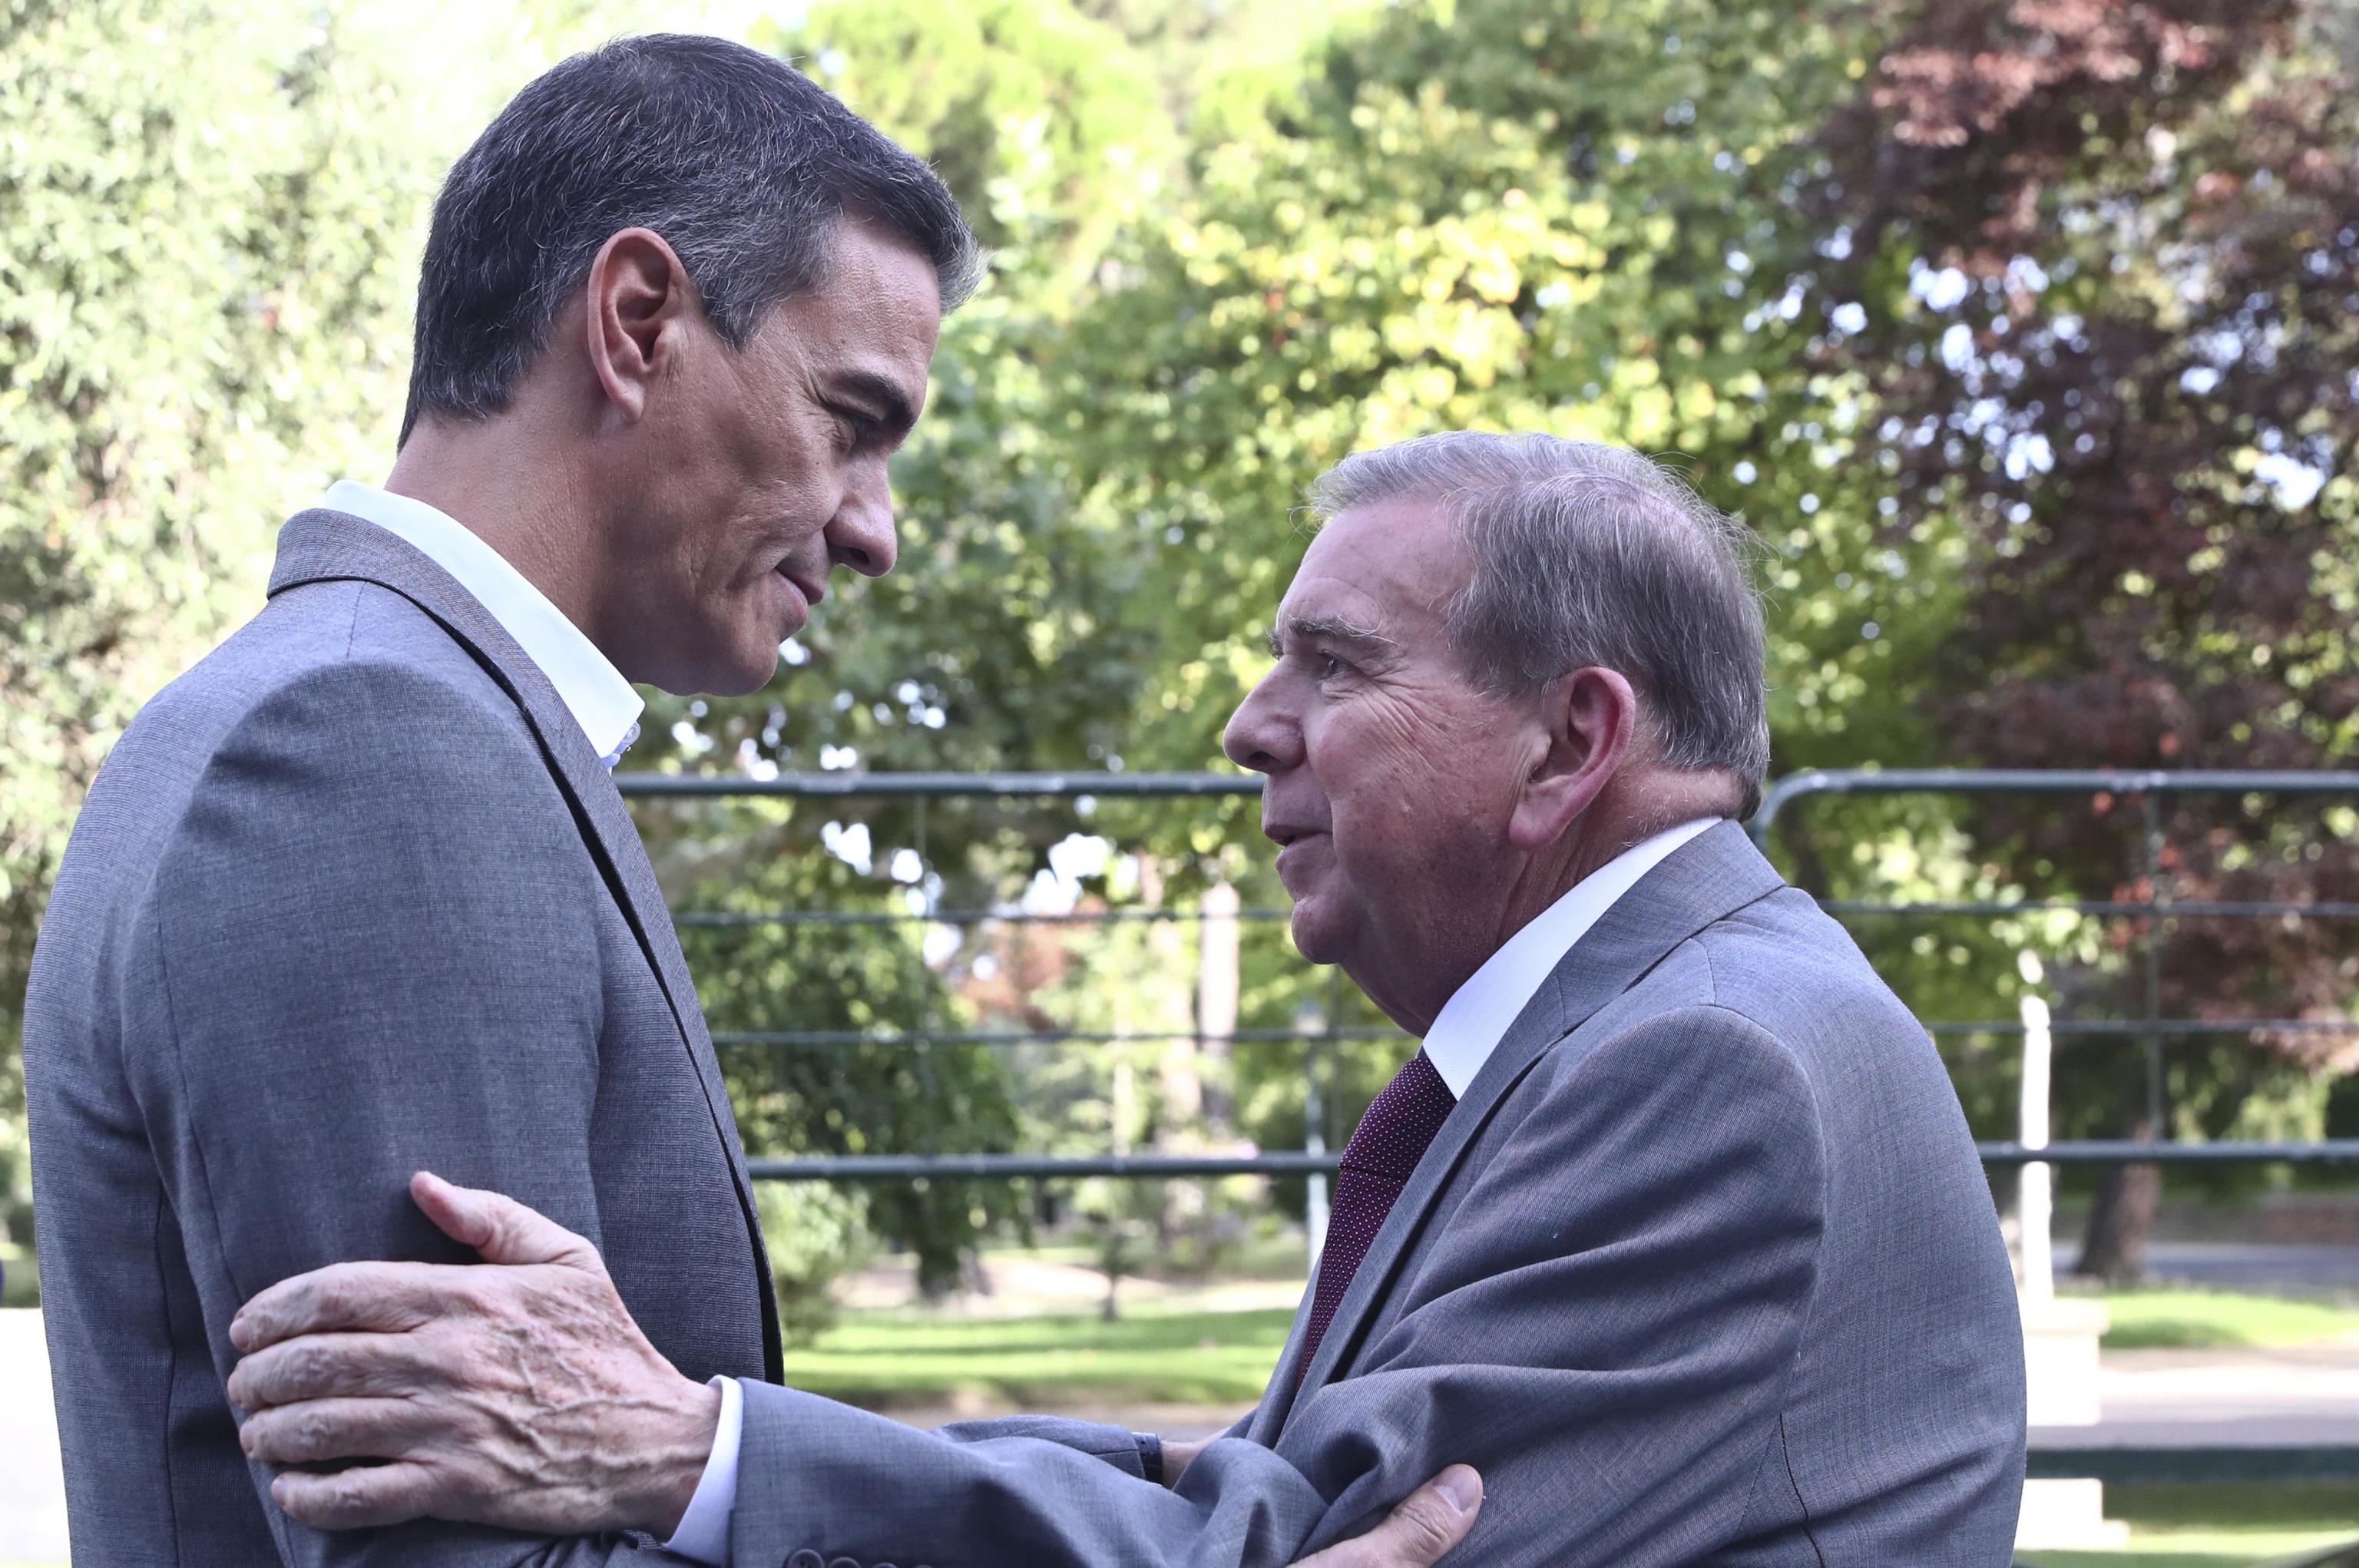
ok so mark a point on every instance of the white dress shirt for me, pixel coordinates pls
(593, 690)
(1476, 1016)
(1469, 1028)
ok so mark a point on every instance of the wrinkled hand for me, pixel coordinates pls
(1419, 1532)
(521, 1395)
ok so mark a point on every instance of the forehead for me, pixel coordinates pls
(877, 310)
(1397, 564)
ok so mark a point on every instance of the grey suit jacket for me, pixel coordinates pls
(1701, 1269)
(350, 898)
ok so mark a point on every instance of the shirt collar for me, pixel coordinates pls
(592, 688)
(1477, 1015)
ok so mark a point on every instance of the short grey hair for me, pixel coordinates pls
(1587, 554)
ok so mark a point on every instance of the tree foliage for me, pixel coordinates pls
(2021, 331)
(199, 318)
(2102, 259)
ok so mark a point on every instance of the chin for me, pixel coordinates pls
(1319, 939)
(748, 677)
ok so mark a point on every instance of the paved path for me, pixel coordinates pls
(32, 1483)
(2204, 1399)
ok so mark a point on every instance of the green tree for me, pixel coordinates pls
(2102, 268)
(200, 323)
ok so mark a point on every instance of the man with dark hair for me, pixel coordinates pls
(355, 895)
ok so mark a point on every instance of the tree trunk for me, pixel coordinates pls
(1216, 1004)
(2121, 1219)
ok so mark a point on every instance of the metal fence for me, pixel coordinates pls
(2149, 789)
(2146, 1463)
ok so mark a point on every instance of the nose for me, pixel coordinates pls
(860, 535)
(1262, 735)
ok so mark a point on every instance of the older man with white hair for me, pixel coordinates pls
(1672, 1228)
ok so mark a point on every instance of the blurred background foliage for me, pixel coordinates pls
(2021, 331)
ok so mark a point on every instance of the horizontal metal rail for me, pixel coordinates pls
(939, 785)
(2099, 1029)
(1290, 1163)
(833, 1038)
(2042, 781)
(2122, 1151)
(1004, 1167)
(2212, 910)
(958, 917)
(2174, 1465)
(2200, 1029)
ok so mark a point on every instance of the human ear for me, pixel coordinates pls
(640, 301)
(1590, 719)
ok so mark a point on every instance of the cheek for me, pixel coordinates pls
(1390, 784)
(1419, 797)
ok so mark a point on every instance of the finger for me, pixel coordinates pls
(371, 1298)
(360, 1498)
(325, 1366)
(497, 1226)
(318, 1430)
(1417, 1534)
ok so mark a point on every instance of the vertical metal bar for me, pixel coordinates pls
(2034, 1185)
(2155, 897)
(1310, 1021)
(1335, 1133)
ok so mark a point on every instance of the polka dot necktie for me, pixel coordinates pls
(1377, 1163)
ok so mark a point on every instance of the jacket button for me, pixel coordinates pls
(806, 1558)
(843, 1562)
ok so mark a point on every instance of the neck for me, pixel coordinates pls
(497, 478)
(1639, 804)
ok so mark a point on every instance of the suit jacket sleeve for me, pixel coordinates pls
(1603, 1330)
(365, 957)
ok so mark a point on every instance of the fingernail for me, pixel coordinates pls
(1460, 1485)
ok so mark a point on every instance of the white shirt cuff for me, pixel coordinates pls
(704, 1532)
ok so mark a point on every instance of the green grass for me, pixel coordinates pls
(884, 1360)
(2207, 1320)
(1157, 1354)
(2219, 1525)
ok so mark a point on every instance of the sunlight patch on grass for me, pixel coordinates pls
(884, 1360)
(2208, 1319)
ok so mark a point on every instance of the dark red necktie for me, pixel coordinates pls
(1377, 1163)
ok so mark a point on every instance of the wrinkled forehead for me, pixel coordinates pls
(1395, 565)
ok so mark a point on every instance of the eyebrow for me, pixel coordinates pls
(894, 409)
(1333, 629)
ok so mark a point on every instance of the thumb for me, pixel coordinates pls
(1434, 1518)
(498, 1228)
(1417, 1534)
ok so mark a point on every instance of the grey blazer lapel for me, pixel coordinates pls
(1707, 878)
(320, 545)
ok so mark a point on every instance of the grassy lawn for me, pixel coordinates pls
(2146, 1320)
(2219, 1526)
(1170, 1355)
(880, 1360)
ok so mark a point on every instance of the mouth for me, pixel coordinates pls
(1287, 836)
(813, 591)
